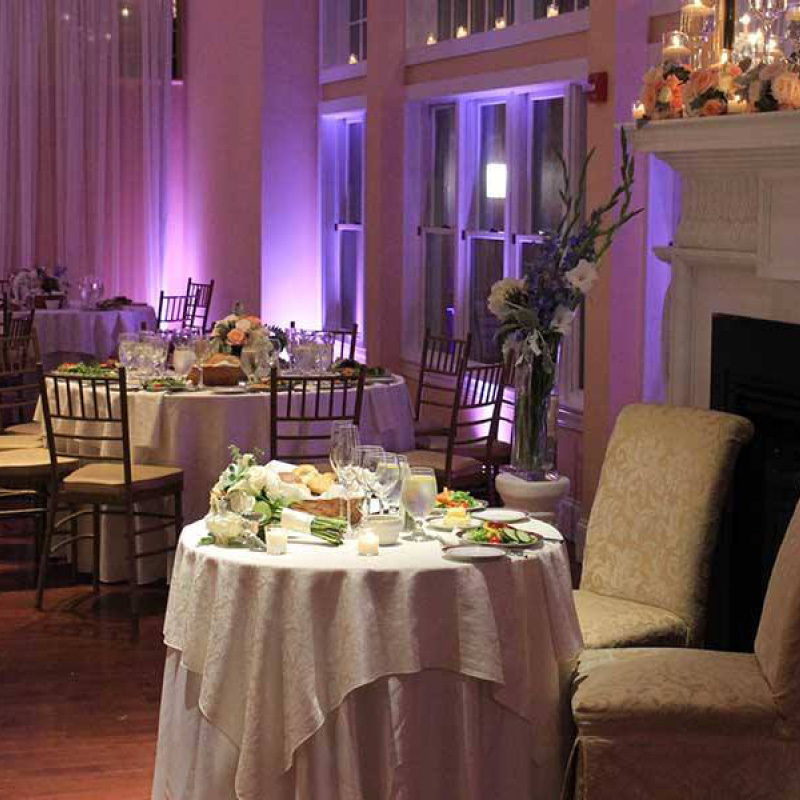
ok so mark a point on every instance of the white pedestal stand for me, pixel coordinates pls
(540, 498)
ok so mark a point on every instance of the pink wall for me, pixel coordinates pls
(290, 256)
(222, 203)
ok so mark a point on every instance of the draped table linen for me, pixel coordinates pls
(83, 331)
(194, 431)
(275, 645)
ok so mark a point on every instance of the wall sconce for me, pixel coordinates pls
(496, 181)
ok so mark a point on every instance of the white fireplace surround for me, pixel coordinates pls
(737, 245)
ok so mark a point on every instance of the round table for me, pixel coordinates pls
(75, 331)
(325, 674)
(195, 430)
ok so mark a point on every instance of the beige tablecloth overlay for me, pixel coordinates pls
(280, 642)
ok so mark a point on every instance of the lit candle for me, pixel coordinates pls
(277, 541)
(676, 47)
(431, 39)
(552, 10)
(461, 32)
(368, 544)
(737, 105)
(774, 52)
(745, 20)
(638, 111)
(697, 9)
(500, 23)
(353, 59)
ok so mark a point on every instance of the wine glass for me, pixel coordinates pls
(393, 498)
(249, 361)
(344, 460)
(183, 356)
(387, 477)
(369, 457)
(418, 495)
(127, 350)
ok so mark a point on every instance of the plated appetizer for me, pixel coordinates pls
(496, 533)
(453, 499)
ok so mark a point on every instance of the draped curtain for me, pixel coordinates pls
(84, 88)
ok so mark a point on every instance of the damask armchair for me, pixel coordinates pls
(653, 526)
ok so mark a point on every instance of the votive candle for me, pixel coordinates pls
(737, 105)
(277, 541)
(552, 10)
(368, 544)
(638, 111)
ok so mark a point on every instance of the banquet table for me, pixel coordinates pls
(195, 430)
(73, 331)
(324, 674)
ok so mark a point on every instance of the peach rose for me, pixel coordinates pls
(713, 108)
(254, 321)
(649, 98)
(236, 337)
(704, 79)
(786, 89)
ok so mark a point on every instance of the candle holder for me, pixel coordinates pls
(768, 13)
(553, 9)
(698, 22)
(676, 49)
(792, 31)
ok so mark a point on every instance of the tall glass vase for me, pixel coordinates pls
(533, 453)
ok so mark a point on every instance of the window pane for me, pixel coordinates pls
(461, 14)
(492, 180)
(478, 21)
(355, 10)
(444, 20)
(547, 143)
(443, 183)
(486, 268)
(440, 284)
(355, 145)
(364, 40)
(355, 40)
(349, 247)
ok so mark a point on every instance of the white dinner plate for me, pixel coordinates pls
(227, 389)
(505, 515)
(540, 528)
(469, 552)
(438, 523)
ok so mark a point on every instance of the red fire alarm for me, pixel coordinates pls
(598, 87)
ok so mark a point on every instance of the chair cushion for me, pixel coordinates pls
(655, 691)
(501, 452)
(11, 442)
(95, 478)
(462, 466)
(613, 622)
(26, 429)
(32, 462)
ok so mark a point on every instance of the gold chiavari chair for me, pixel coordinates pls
(88, 416)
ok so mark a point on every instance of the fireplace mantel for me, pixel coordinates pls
(737, 245)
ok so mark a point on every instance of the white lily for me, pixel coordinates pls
(583, 276)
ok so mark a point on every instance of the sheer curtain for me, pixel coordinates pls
(84, 88)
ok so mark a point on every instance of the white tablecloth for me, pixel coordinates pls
(401, 676)
(194, 431)
(75, 330)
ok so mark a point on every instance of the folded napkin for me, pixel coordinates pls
(298, 521)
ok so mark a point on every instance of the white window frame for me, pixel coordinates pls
(334, 43)
(334, 159)
(519, 105)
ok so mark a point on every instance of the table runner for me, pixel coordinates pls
(279, 642)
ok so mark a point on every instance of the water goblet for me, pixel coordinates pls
(369, 457)
(344, 460)
(418, 496)
(387, 478)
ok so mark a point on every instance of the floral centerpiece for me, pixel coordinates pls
(661, 94)
(30, 284)
(536, 311)
(772, 87)
(237, 331)
(707, 91)
(248, 497)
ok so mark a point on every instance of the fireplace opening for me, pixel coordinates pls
(753, 373)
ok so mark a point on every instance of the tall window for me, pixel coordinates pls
(343, 220)
(492, 175)
(461, 17)
(344, 32)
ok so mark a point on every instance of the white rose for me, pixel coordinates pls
(665, 95)
(258, 479)
(225, 527)
(562, 320)
(244, 325)
(230, 318)
(241, 502)
(582, 277)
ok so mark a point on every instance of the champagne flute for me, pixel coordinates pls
(344, 460)
(418, 495)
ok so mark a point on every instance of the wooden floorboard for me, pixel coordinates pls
(78, 700)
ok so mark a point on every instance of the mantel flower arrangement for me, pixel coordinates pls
(536, 311)
(661, 95)
(772, 87)
(708, 91)
(248, 497)
(237, 331)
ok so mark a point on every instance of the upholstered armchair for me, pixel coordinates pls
(653, 526)
(683, 724)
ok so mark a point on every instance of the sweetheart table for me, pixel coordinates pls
(325, 674)
(73, 331)
(194, 431)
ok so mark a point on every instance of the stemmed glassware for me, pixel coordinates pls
(183, 355)
(387, 478)
(128, 351)
(369, 457)
(418, 495)
(344, 457)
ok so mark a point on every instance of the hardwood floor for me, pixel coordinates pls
(78, 700)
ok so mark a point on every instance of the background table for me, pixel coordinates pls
(194, 431)
(325, 674)
(71, 332)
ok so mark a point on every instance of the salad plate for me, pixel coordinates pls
(455, 499)
(540, 528)
(503, 515)
(467, 552)
(498, 536)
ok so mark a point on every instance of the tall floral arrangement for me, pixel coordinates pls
(537, 310)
